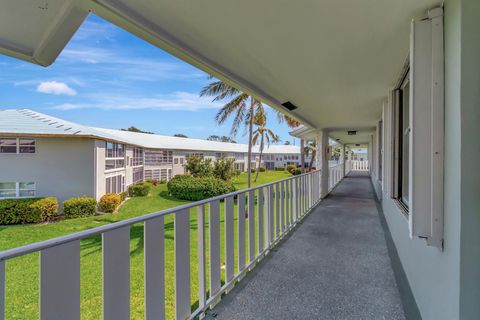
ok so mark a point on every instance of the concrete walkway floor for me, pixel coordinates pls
(335, 265)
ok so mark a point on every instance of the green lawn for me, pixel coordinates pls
(22, 273)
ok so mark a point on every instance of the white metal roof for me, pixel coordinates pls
(28, 122)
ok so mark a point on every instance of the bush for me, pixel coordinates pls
(163, 181)
(253, 170)
(123, 195)
(32, 210)
(291, 168)
(238, 172)
(279, 169)
(109, 202)
(262, 169)
(198, 166)
(139, 190)
(224, 169)
(194, 189)
(79, 207)
(296, 172)
(153, 182)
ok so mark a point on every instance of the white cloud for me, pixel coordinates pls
(177, 101)
(54, 87)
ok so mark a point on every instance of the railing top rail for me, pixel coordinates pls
(34, 247)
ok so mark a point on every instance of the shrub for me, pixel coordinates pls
(194, 188)
(163, 181)
(253, 170)
(79, 207)
(153, 182)
(32, 210)
(279, 169)
(224, 169)
(109, 202)
(291, 168)
(139, 190)
(296, 172)
(238, 172)
(262, 169)
(123, 195)
(198, 166)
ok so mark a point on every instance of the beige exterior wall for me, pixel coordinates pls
(60, 167)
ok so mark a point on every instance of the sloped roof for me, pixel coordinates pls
(28, 122)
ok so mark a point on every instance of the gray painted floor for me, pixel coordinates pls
(335, 265)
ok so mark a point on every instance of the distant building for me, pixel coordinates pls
(45, 156)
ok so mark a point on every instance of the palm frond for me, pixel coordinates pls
(219, 90)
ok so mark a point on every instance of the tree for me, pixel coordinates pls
(199, 167)
(221, 139)
(310, 148)
(293, 123)
(224, 169)
(180, 135)
(262, 133)
(287, 143)
(240, 105)
(135, 129)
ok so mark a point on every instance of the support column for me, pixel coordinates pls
(322, 161)
(302, 155)
(343, 160)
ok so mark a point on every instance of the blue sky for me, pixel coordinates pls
(109, 78)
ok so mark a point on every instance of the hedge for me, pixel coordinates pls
(194, 189)
(31, 210)
(279, 169)
(79, 207)
(291, 168)
(262, 169)
(109, 202)
(139, 190)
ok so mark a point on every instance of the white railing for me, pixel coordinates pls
(348, 166)
(335, 175)
(359, 165)
(272, 211)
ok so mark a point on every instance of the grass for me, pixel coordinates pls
(22, 273)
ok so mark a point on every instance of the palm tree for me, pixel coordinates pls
(241, 106)
(260, 120)
(293, 123)
(310, 148)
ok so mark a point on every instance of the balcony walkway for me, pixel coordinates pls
(334, 266)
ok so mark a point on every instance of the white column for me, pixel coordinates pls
(322, 161)
(343, 160)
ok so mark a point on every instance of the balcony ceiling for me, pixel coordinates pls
(334, 59)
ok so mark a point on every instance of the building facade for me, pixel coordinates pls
(42, 156)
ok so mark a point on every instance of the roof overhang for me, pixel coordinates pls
(335, 60)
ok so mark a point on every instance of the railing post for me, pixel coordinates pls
(214, 244)
(116, 274)
(2, 290)
(251, 225)
(154, 265)
(229, 239)
(202, 277)
(60, 282)
(241, 231)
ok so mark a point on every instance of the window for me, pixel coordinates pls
(137, 175)
(158, 157)
(181, 160)
(380, 149)
(137, 157)
(17, 145)
(115, 184)
(17, 189)
(175, 161)
(402, 143)
(114, 156)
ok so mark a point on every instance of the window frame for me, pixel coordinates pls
(18, 190)
(18, 145)
(398, 135)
